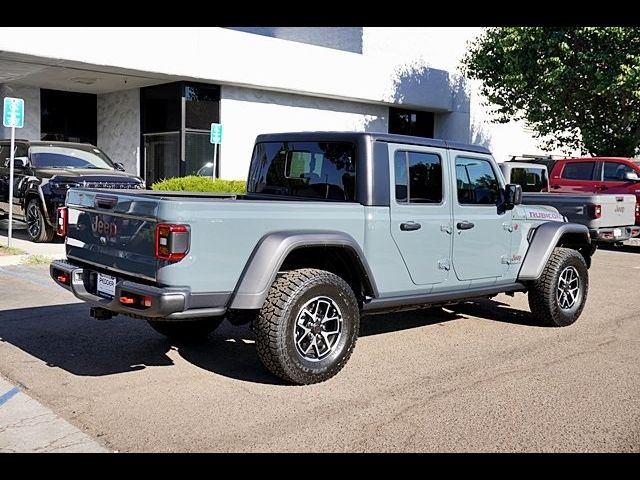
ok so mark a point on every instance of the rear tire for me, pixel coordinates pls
(38, 229)
(191, 331)
(557, 298)
(308, 326)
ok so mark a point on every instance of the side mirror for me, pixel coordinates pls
(512, 195)
(19, 163)
(631, 177)
(119, 166)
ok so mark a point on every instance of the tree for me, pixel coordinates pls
(578, 88)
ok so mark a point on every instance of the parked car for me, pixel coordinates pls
(609, 218)
(601, 175)
(334, 226)
(44, 171)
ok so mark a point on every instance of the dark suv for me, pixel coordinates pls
(44, 171)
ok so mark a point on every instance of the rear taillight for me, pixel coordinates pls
(63, 221)
(637, 209)
(595, 211)
(172, 241)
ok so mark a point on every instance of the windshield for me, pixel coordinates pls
(65, 157)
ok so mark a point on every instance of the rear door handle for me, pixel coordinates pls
(410, 226)
(601, 187)
(465, 225)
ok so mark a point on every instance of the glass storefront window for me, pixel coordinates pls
(175, 120)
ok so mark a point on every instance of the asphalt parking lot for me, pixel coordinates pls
(473, 377)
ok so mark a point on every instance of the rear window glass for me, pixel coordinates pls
(320, 170)
(530, 179)
(578, 170)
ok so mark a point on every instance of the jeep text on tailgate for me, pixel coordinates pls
(333, 226)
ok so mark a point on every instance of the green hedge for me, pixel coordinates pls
(195, 183)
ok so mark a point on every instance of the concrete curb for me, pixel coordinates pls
(28, 426)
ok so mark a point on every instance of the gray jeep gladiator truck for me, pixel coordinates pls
(334, 225)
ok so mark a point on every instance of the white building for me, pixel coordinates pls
(147, 96)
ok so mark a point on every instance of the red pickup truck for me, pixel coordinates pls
(613, 175)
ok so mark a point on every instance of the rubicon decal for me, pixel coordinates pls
(537, 215)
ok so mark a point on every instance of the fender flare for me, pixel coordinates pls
(545, 239)
(271, 251)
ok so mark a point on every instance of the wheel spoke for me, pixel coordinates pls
(568, 290)
(312, 338)
(302, 319)
(311, 344)
(325, 320)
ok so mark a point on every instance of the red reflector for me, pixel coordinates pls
(62, 222)
(172, 241)
(127, 300)
(63, 278)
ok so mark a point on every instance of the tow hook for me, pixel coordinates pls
(100, 313)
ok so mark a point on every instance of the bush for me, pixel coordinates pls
(195, 183)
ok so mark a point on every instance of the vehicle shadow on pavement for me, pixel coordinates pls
(393, 322)
(496, 311)
(64, 336)
(622, 248)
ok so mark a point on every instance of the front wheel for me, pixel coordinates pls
(190, 331)
(557, 298)
(38, 229)
(308, 326)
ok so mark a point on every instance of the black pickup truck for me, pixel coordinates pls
(44, 171)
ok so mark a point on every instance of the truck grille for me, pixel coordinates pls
(115, 185)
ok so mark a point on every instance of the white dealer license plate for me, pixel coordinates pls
(617, 232)
(106, 285)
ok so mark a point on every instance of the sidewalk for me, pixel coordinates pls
(28, 426)
(19, 240)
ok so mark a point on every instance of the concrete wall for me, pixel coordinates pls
(247, 113)
(119, 126)
(348, 39)
(31, 97)
(443, 48)
(247, 60)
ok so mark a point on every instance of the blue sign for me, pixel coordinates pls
(216, 133)
(13, 112)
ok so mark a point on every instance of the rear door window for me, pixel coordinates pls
(616, 172)
(418, 177)
(578, 171)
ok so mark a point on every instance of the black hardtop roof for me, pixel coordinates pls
(48, 143)
(373, 136)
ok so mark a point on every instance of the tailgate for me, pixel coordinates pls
(617, 210)
(115, 231)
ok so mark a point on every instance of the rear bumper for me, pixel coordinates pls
(168, 303)
(611, 235)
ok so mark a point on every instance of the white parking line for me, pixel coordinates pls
(27, 426)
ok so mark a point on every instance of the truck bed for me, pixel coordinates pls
(116, 231)
(617, 212)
